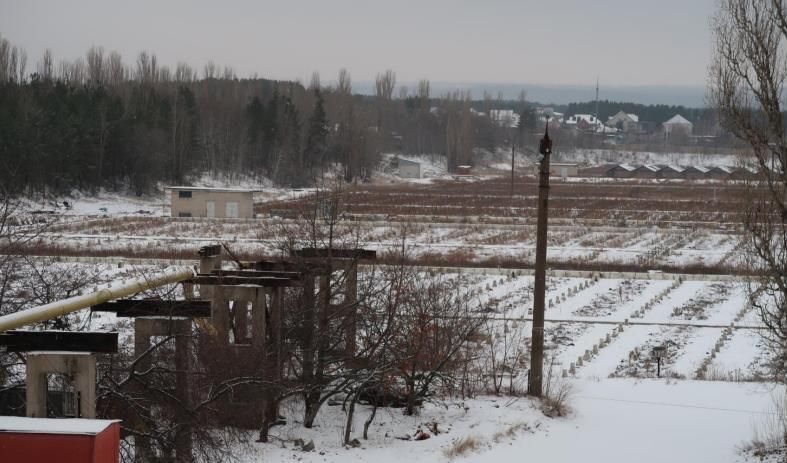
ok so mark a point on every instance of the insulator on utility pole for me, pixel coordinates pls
(535, 377)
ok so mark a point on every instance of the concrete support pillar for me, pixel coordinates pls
(269, 338)
(240, 321)
(323, 308)
(351, 304)
(259, 309)
(276, 315)
(206, 265)
(220, 314)
(79, 366)
(188, 291)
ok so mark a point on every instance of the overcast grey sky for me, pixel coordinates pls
(624, 42)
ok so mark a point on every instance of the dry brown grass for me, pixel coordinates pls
(558, 392)
(464, 258)
(462, 447)
(510, 432)
(490, 199)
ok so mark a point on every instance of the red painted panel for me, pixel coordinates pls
(106, 448)
(61, 448)
(35, 448)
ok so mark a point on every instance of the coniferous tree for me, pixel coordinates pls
(317, 137)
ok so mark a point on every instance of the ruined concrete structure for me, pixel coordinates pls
(239, 318)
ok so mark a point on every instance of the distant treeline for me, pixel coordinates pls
(98, 122)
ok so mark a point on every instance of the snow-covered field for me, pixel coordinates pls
(646, 247)
(600, 332)
(620, 411)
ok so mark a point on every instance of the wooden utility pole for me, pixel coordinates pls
(512, 167)
(537, 340)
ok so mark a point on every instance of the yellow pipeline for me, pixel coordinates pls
(72, 304)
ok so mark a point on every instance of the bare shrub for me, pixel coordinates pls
(716, 373)
(770, 436)
(506, 355)
(557, 393)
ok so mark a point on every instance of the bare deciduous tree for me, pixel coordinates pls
(384, 84)
(747, 77)
(95, 66)
(45, 67)
(344, 84)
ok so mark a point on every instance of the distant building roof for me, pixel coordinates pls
(627, 167)
(704, 170)
(677, 119)
(651, 167)
(576, 118)
(623, 115)
(217, 190)
(676, 168)
(408, 161)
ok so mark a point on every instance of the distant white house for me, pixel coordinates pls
(563, 169)
(504, 117)
(624, 121)
(409, 169)
(583, 122)
(677, 124)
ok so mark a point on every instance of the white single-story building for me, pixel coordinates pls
(409, 169)
(186, 201)
(560, 169)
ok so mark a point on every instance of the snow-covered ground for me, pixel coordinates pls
(600, 332)
(612, 420)
(596, 157)
(620, 411)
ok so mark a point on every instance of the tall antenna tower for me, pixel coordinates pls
(596, 115)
